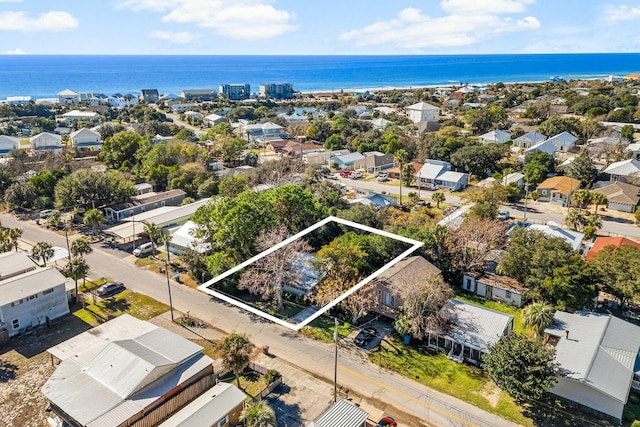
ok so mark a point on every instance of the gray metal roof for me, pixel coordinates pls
(208, 408)
(30, 283)
(601, 350)
(14, 262)
(477, 326)
(342, 414)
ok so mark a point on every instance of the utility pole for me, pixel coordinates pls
(526, 196)
(166, 271)
(335, 368)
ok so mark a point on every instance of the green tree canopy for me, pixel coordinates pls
(555, 125)
(537, 166)
(583, 169)
(478, 160)
(571, 287)
(537, 316)
(86, 187)
(619, 270)
(120, 148)
(236, 350)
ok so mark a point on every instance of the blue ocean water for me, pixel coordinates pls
(44, 76)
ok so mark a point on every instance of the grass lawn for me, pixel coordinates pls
(518, 327)
(135, 304)
(323, 327)
(435, 370)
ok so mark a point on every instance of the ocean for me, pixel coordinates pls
(43, 76)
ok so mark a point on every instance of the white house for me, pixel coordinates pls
(213, 119)
(515, 178)
(435, 174)
(381, 123)
(545, 146)
(563, 141)
(118, 100)
(83, 116)
(31, 298)
(598, 356)
(18, 100)
(497, 288)
(260, 131)
(552, 229)
(8, 143)
(46, 142)
(528, 140)
(495, 137)
(624, 170)
(423, 112)
(86, 140)
(634, 149)
(68, 97)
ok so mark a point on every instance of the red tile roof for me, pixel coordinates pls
(601, 242)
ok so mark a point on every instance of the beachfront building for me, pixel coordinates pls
(235, 92)
(8, 143)
(68, 97)
(276, 91)
(46, 142)
(204, 95)
(86, 140)
(437, 174)
(18, 100)
(118, 100)
(149, 95)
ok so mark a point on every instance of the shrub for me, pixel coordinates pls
(271, 376)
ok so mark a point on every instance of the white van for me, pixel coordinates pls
(144, 250)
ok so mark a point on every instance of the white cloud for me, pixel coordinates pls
(464, 7)
(248, 20)
(414, 31)
(622, 13)
(48, 21)
(175, 37)
(16, 51)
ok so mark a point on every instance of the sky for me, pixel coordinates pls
(318, 27)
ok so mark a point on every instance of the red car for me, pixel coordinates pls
(387, 422)
(345, 174)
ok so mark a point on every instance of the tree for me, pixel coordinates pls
(485, 119)
(268, 275)
(259, 414)
(295, 207)
(408, 174)
(232, 148)
(619, 270)
(424, 301)
(401, 157)
(42, 251)
(537, 166)
(93, 218)
(524, 369)
(555, 125)
(14, 234)
(483, 210)
(88, 188)
(236, 350)
(153, 232)
(598, 199)
(537, 316)
(20, 195)
(583, 169)
(581, 198)
(438, 197)
(478, 160)
(80, 247)
(231, 186)
(470, 243)
(571, 287)
(120, 148)
(77, 268)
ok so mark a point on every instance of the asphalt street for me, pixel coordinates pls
(388, 391)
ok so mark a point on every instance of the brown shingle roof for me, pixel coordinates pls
(502, 282)
(406, 271)
(563, 184)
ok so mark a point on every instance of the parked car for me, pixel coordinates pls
(110, 289)
(383, 177)
(356, 175)
(504, 215)
(345, 174)
(144, 249)
(364, 336)
(387, 422)
(47, 213)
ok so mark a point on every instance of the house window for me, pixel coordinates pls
(543, 192)
(13, 304)
(33, 296)
(223, 421)
(15, 323)
(389, 300)
(507, 294)
(48, 291)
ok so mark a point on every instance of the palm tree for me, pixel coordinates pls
(408, 173)
(93, 218)
(438, 197)
(259, 414)
(77, 269)
(598, 199)
(14, 234)
(581, 198)
(574, 219)
(80, 247)
(593, 221)
(401, 158)
(537, 316)
(235, 350)
(5, 241)
(42, 251)
(153, 232)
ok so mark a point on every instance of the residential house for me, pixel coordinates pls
(235, 92)
(423, 112)
(68, 97)
(200, 95)
(125, 371)
(370, 199)
(185, 238)
(386, 110)
(150, 95)
(395, 172)
(603, 241)
(86, 140)
(515, 178)
(46, 142)
(276, 145)
(18, 100)
(29, 296)
(295, 148)
(451, 104)
(625, 170)
(528, 140)
(564, 141)
(316, 158)
(142, 203)
(213, 119)
(544, 146)
(598, 357)
(495, 137)
(552, 229)
(80, 116)
(375, 162)
(276, 91)
(143, 188)
(260, 132)
(634, 150)
(342, 413)
(471, 332)
(93, 99)
(557, 189)
(436, 174)
(494, 287)
(442, 91)
(347, 161)
(8, 143)
(296, 117)
(180, 107)
(391, 284)
(194, 115)
(621, 196)
(381, 123)
(220, 406)
(120, 101)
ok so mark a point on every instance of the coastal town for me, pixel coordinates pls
(456, 255)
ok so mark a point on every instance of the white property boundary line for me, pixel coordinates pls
(297, 326)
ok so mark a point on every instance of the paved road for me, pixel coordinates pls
(416, 404)
(394, 188)
(176, 119)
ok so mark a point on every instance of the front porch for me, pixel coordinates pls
(456, 351)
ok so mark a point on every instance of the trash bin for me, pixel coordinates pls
(407, 339)
(177, 278)
(265, 349)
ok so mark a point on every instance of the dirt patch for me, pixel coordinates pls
(491, 392)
